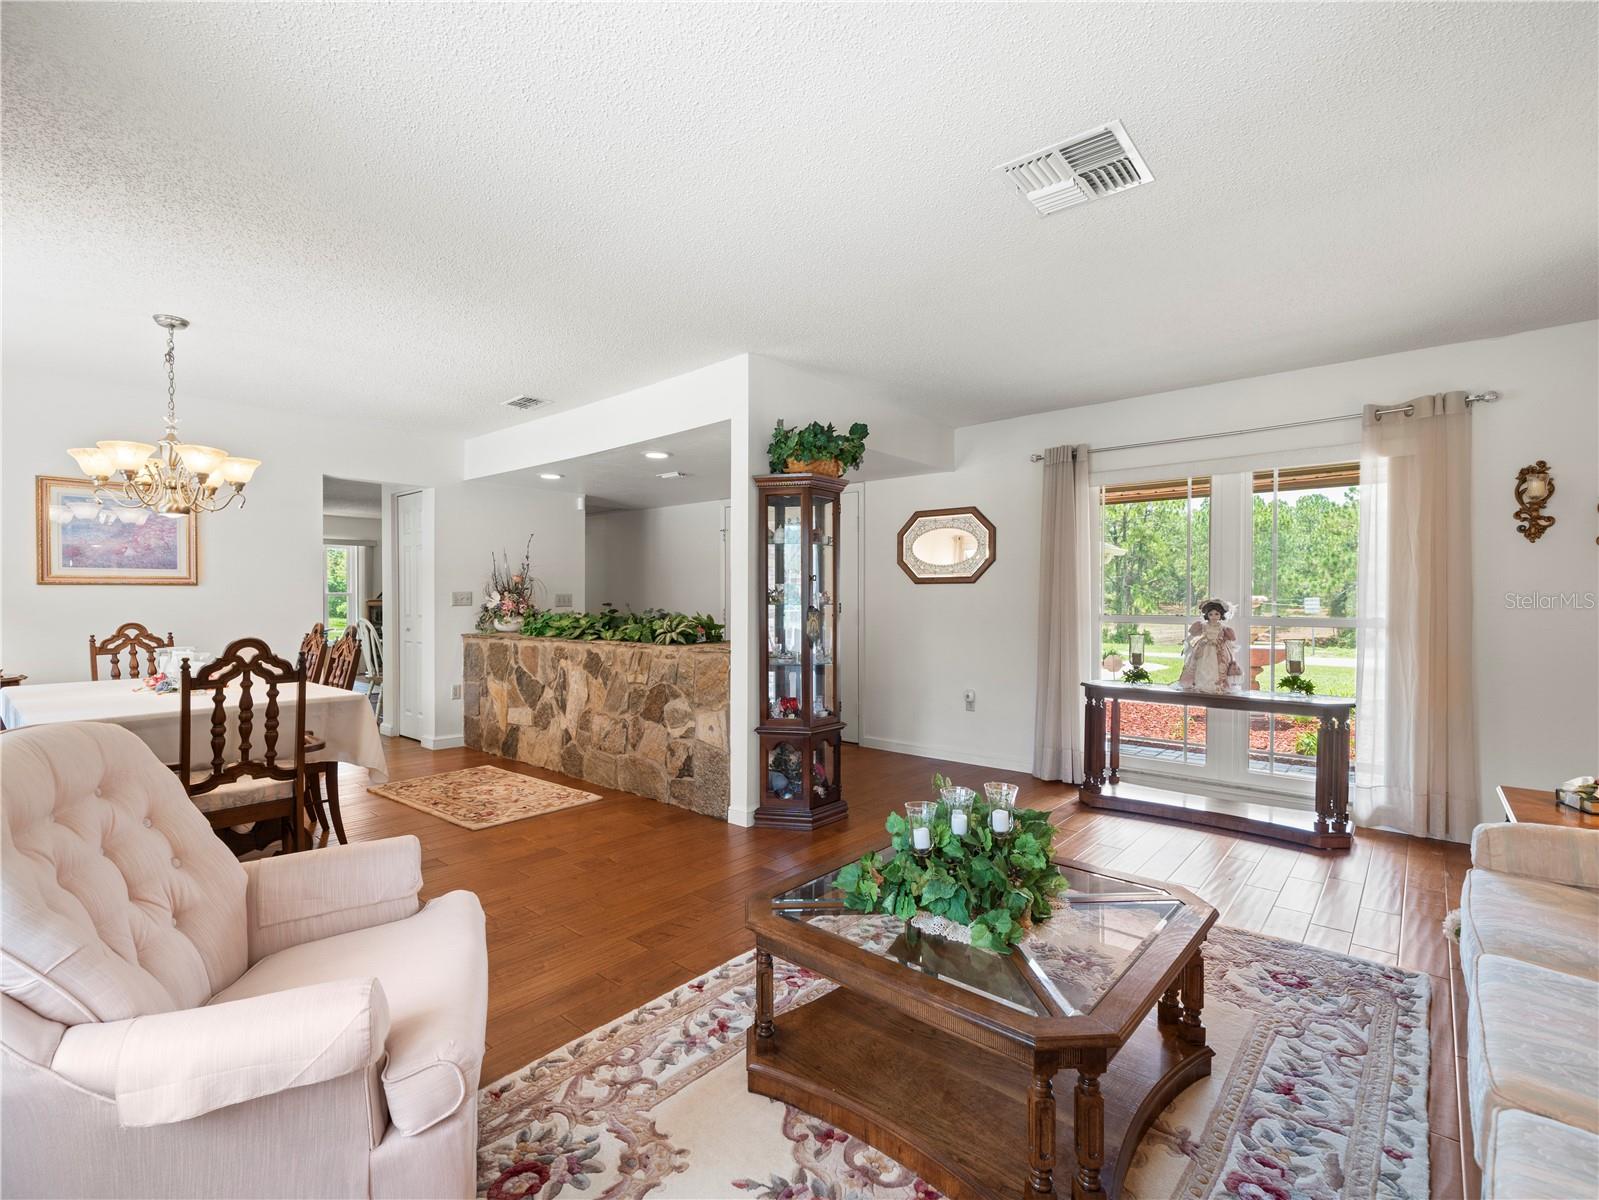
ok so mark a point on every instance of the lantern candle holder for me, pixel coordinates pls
(1294, 652)
(1002, 807)
(959, 800)
(1135, 649)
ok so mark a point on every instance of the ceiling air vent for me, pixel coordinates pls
(524, 403)
(1097, 162)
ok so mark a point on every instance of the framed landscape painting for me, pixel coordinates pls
(80, 541)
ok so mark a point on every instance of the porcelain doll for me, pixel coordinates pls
(1210, 659)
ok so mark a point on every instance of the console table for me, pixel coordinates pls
(1328, 828)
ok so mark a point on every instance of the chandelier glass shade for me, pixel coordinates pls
(170, 477)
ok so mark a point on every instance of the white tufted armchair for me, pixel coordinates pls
(175, 1023)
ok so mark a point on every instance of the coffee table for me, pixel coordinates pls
(945, 1056)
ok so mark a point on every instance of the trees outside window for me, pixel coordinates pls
(339, 588)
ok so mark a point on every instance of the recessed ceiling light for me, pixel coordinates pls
(672, 475)
(549, 475)
(656, 454)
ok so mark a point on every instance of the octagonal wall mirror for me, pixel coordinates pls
(946, 545)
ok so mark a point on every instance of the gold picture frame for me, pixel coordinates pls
(80, 542)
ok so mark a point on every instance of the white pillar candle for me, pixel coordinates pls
(922, 837)
(958, 821)
(1000, 820)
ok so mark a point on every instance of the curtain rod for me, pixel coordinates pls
(1407, 409)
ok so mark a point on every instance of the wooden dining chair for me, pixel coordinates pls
(132, 637)
(236, 788)
(322, 778)
(314, 649)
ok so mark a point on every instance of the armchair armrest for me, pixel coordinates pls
(296, 898)
(173, 1066)
(1554, 853)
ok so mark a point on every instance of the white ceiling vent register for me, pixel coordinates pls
(524, 402)
(1097, 162)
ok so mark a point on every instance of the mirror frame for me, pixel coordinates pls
(926, 513)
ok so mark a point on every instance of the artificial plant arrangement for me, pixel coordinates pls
(509, 597)
(817, 448)
(997, 885)
(1296, 683)
(1135, 675)
(609, 625)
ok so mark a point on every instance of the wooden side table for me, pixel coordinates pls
(1536, 806)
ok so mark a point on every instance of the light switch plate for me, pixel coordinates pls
(455, 692)
(563, 599)
(461, 599)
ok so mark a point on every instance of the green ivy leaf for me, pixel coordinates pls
(905, 907)
(849, 877)
(896, 824)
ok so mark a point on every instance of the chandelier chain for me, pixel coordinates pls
(172, 380)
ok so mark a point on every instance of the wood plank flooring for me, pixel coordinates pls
(594, 910)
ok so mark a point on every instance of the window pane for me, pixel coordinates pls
(1284, 745)
(338, 610)
(338, 569)
(1306, 526)
(1153, 732)
(1150, 546)
(1163, 650)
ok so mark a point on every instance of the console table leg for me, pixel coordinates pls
(1041, 1132)
(1325, 739)
(1090, 1122)
(764, 1029)
(1093, 743)
(1115, 740)
(1193, 997)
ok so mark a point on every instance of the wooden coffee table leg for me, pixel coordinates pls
(764, 1029)
(1193, 997)
(1169, 1009)
(1090, 1130)
(1041, 1130)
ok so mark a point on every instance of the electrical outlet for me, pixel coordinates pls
(461, 599)
(971, 700)
(455, 692)
(563, 599)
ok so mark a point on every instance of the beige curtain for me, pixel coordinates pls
(1415, 741)
(1066, 632)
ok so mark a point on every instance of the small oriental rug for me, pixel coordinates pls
(478, 797)
(1318, 1090)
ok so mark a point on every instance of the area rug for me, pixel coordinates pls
(1318, 1090)
(478, 797)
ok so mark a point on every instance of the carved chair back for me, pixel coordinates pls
(131, 637)
(243, 664)
(314, 649)
(343, 661)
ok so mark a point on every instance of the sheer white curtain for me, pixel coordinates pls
(1066, 563)
(1415, 741)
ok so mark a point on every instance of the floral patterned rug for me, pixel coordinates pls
(1318, 1090)
(478, 797)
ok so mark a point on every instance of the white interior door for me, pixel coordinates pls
(849, 613)
(412, 613)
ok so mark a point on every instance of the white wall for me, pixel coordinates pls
(473, 520)
(260, 566)
(1537, 697)
(667, 558)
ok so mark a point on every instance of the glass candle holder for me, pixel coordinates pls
(1135, 649)
(1002, 801)
(959, 802)
(1294, 652)
(921, 814)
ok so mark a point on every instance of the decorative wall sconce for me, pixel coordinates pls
(1534, 486)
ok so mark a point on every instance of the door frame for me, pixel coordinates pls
(394, 682)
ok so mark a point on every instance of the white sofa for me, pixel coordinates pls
(1529, 950)
(175, 1023)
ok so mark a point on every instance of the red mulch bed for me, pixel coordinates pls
(1164, 723)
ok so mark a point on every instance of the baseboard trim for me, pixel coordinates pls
(443, 743)
(388, 730)
(948, 754)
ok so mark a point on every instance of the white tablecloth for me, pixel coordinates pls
(344, 720)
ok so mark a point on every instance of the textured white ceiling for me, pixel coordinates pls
(416, 211)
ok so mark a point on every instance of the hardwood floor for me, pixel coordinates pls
(595, 910)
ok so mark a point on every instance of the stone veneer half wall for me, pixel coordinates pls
(646, 719)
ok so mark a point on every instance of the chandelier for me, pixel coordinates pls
(172, 478)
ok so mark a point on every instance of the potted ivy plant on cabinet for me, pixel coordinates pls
(816, 449)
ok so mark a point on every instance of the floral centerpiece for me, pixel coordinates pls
(997, 885)
(509, 597)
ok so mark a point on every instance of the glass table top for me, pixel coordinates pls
(1063, 968)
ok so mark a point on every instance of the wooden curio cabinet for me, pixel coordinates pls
(800, 724)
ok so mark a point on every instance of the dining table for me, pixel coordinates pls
(343, 720)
